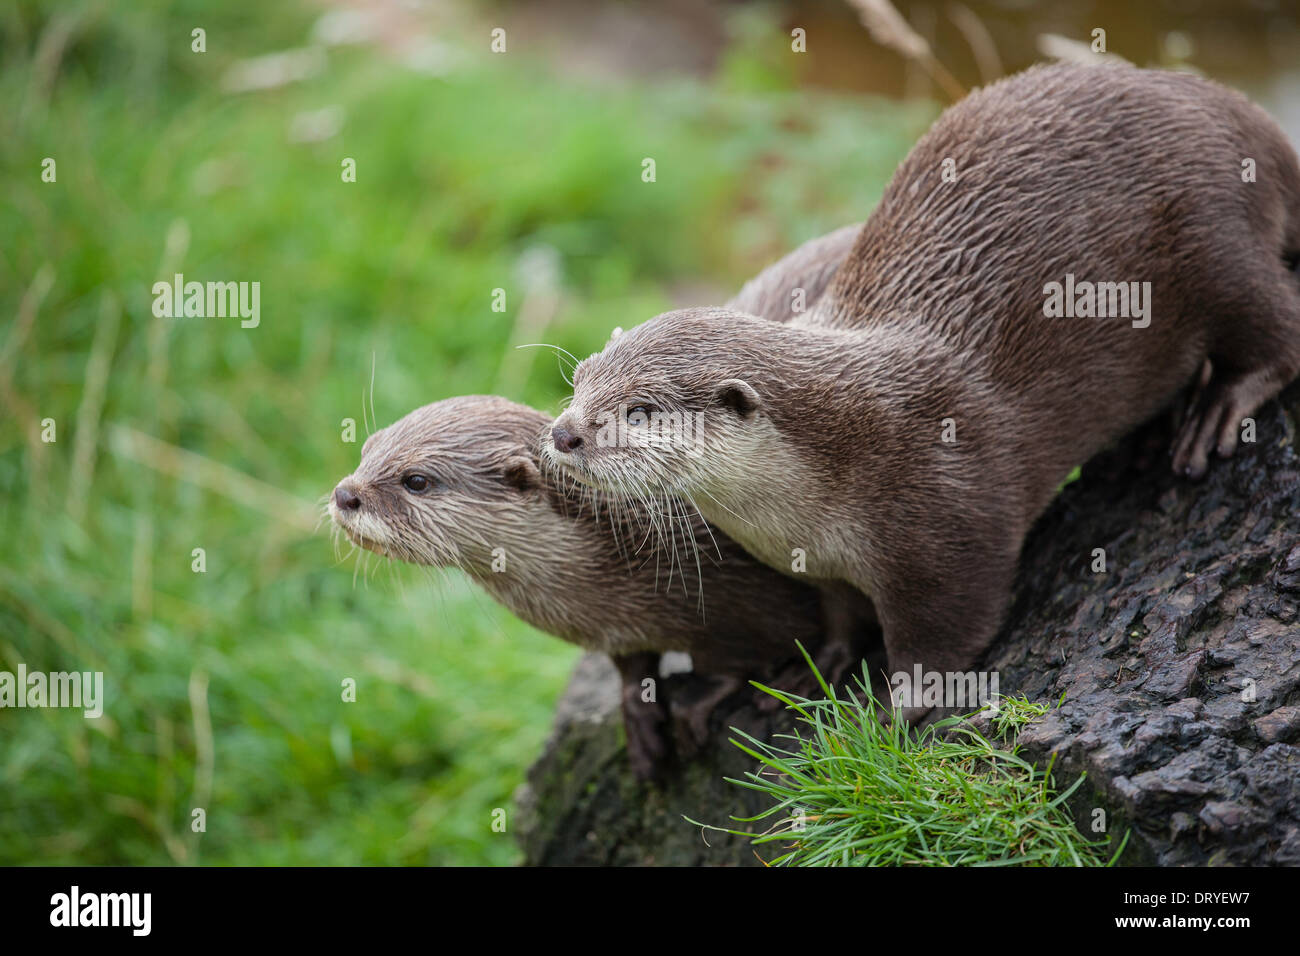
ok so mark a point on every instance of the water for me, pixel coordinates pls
(1253, 45)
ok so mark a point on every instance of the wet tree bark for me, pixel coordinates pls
(1179, 665)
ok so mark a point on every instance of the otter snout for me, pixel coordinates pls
(565, 440)
(346, 499)
(360, 525)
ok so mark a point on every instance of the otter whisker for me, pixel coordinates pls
(682, 519)
(560, 353)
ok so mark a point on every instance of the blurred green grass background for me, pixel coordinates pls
(223, 688)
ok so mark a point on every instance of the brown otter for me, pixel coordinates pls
(909, 429)
(461, 483)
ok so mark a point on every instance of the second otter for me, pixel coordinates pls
(906, 433)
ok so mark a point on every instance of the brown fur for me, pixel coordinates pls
(575, 566)
(826, 434)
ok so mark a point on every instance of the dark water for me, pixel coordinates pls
(1253, 45)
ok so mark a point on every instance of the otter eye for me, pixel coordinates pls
(638, 415)
(417, 483)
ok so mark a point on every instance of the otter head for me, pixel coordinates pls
(447, 485)
(663, 407)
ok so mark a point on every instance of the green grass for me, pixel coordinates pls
(224, 687)
(848, 790)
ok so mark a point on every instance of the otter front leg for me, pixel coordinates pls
(942, 625)
(852, 631)
(645, 721)
(1253, 357)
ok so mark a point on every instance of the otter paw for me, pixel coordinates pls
(1212, 426)
(796, 680)
(835, 660)
(649, 745)
(693, 704)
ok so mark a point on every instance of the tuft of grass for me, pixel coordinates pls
(849, 789)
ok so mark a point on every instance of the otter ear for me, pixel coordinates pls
(521, 473)
(739, 396)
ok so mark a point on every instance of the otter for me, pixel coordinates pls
(906, 432)
(461, 483)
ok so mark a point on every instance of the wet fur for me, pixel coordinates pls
(825, 434)
(579, 565)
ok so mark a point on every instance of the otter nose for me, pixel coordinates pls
(564, 439)
(346, 499)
